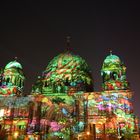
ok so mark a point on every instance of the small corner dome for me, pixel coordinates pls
(112, 59)
(13, 64)
(112, 63)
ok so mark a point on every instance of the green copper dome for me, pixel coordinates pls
(69, 61)
(112, 59)
(13, 64)
(111, 62)
(67, 71)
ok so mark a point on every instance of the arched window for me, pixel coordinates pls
(7, 80)
(20, 83)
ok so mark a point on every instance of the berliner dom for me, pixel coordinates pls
(63, 105)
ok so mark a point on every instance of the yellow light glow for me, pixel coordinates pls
(88, 133)
(1, 112)
(15, 122)
(16, 134)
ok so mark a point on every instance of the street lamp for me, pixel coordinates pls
(16, 134)
(119, 137)
(88, 133)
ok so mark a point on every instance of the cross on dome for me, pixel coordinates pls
(68, 39)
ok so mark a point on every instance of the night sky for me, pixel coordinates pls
(35, 32)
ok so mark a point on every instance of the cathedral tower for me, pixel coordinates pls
(113, 73)
(12, 79)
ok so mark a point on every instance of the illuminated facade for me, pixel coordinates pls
(63, 103)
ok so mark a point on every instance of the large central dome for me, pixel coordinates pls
(66, 63)
(67, 72)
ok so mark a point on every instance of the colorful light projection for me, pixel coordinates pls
(12, 79)
(112, 108)
(57, 117)
(63, 104)
(114, 74)
(66, 72)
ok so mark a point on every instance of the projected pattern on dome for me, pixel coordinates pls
(114, 74)
(66, 73)
(12, 81)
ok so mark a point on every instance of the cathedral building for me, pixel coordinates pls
(63, 104)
